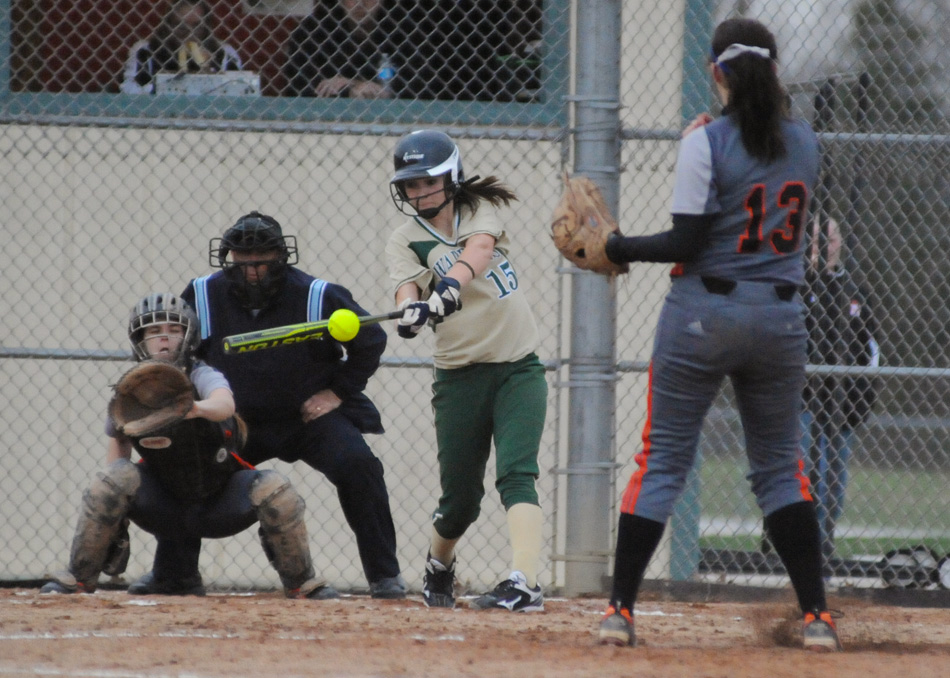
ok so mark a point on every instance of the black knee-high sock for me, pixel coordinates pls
(637, 539)
(794, 533)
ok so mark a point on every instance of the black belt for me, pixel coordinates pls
(725, 287)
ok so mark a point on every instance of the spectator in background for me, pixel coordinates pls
(470, 49)
(346, 48)
(182, 43)
(447, 49)
(841, 329)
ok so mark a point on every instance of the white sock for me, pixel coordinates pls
(525, 524)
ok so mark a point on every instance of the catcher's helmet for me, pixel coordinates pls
(160, 308)
(425, 153)
(254, 232)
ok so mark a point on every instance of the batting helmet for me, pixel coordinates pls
(425, 153)
(161, 308)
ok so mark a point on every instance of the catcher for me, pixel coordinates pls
(179, 415)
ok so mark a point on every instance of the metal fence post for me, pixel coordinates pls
(592, 381)
(684, 523)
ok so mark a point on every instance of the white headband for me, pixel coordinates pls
(735, 49)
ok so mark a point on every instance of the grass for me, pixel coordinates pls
(885, 509)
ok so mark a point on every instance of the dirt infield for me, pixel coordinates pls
(113, 635)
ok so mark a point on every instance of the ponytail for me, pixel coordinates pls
(745, 51)
(471, 192)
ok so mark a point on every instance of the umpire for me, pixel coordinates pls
(303, 402)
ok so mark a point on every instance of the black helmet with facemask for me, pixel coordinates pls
(254, 233)
(421, 154)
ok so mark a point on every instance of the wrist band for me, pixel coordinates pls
(466, 265)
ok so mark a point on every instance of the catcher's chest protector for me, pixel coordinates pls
(193, 458)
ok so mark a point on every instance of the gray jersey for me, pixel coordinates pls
(760, 208)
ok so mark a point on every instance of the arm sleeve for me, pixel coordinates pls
(682, 243)
(363, 352)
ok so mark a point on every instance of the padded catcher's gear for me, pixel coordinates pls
(150, 396)
(581, 224)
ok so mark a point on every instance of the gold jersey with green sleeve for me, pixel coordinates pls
(495, 323)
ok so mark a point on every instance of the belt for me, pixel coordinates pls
(725, 287)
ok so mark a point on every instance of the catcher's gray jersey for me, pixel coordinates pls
(760, 207)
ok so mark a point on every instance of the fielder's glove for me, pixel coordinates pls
(581, 225)
(414, 317)
(150, 396)
(446, 299)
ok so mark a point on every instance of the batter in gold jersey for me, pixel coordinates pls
(450, 270)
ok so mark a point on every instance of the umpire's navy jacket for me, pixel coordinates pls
(271, 385)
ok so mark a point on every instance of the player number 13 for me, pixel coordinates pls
(784, 240)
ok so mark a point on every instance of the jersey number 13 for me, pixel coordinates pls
(784, 240)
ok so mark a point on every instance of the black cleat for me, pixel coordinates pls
(438, 584)
(148, 585)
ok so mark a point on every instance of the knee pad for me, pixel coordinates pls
(108, 497)
(279, 506)
(283, 534)
(104, 504)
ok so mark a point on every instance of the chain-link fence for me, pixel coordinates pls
(128, 143)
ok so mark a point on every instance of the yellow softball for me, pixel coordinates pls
(343, 324)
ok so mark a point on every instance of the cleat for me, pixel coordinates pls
(438, 584)
(326, 592)
(313, 589)
(513, 595)
(819, 633)
(63, 582)
(56, 587)
(389, 588)
(148, 585)
(616, 628)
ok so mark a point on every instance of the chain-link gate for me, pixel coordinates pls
(122, 155)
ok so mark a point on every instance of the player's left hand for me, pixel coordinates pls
(447, 297)
(414, 317)
(319, 404)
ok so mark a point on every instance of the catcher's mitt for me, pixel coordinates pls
(151, 395)
(582, 222)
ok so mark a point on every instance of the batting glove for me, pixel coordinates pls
(446, 299)
(414, 317)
